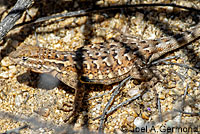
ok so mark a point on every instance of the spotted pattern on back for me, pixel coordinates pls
(104, 63)
(95, 63)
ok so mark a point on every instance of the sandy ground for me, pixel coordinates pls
(36, 100)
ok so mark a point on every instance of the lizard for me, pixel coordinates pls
(104, 63)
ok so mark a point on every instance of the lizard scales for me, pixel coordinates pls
(105, 63)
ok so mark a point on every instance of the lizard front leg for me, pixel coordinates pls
(77, 104)
(72, 81)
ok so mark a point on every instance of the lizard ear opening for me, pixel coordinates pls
(84, 79)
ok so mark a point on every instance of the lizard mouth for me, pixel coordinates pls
(12, 55)
(13, 58)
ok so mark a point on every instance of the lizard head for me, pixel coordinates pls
(23, 53)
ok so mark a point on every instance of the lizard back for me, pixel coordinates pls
(99, 63)
(104, 63)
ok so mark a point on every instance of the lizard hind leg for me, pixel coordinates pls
(143, 74)
(154, 76)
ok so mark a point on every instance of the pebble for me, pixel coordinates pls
(171, 92)
(197, 65)
(188, 109)
(177, 119)
(190, 46)
(179, 85)
(44, 112)
(133, 92)
(139, 122)
(81, 20)
(97, 108)
(145, 115)
(118, 131)
(5, 62)
(161, 96)
(130, 119)
(191, 73)
(172, 84)
(18, 100)
(12, 71)
(4, 75)
(197, 84)
(170, 123)
(147, 96)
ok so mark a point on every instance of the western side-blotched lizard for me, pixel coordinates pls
(104, 63)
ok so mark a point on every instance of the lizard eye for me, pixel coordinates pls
(24, 58)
